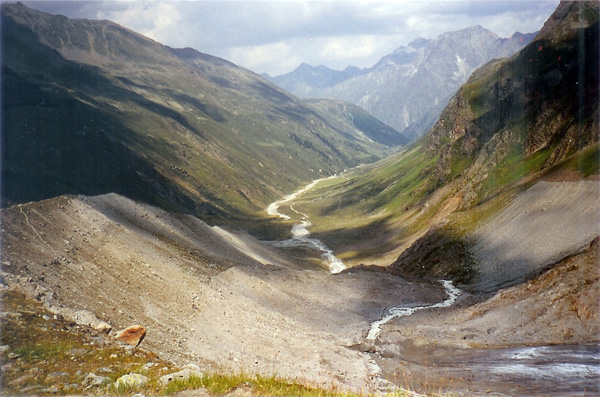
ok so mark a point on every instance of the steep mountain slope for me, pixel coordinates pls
(409, 88)
(523, 113)
(90, 107)
(517, 121)
(346, 116)
(306, 80)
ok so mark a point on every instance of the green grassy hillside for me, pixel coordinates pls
(351, 117)
(90, 107)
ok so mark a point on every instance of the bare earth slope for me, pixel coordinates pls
(541, 226)
(536, 338)
(200, 291)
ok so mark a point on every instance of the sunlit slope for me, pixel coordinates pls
(531, 116)
(91, 107)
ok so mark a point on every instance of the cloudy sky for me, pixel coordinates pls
(277, 36)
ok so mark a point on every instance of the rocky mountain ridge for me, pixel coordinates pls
(540, 104)
(409, 88)
(303, 80)
(357, 118)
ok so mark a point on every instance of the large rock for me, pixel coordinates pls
(103, 327)
(131, 381)
(93, 380)
(133, 335)
(82, 317)
(187, 372)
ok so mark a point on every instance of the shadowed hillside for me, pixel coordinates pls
(91, 107)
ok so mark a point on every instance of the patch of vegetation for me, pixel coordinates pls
(458, 165)
(371, 204)
(219, 384)
(397, 182)
(585, 162)
(45, 354)
(513, 168)
(476, 90)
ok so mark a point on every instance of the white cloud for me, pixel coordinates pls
(276, 36)
(156, 20)
(263, 57)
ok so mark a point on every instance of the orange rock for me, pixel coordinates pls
(133, 335)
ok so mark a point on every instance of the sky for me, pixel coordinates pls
(276, 36)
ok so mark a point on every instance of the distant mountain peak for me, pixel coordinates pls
(304, 66)
(408, 88)
(419, 42)
(306, 78)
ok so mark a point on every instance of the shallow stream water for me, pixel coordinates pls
(402, 311)
(559, 370)
(300, 233)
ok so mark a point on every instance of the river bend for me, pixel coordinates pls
(300, 233)
(402, 311)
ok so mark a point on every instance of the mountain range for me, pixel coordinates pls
(409, 88)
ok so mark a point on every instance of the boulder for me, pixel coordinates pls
(103, 326)
(131, 381)
(93, 380)
(133, 335)
(187, 372)
(81, 317)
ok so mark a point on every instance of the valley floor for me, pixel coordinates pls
(227, 302)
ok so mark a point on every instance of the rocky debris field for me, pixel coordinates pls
(558, 308)
(45, 354)
(201, 298)
(545, 244)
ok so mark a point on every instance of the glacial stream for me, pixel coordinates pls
(558, 370)
(300, 233)
(402, 311)
(528, 371)
(525, 371)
